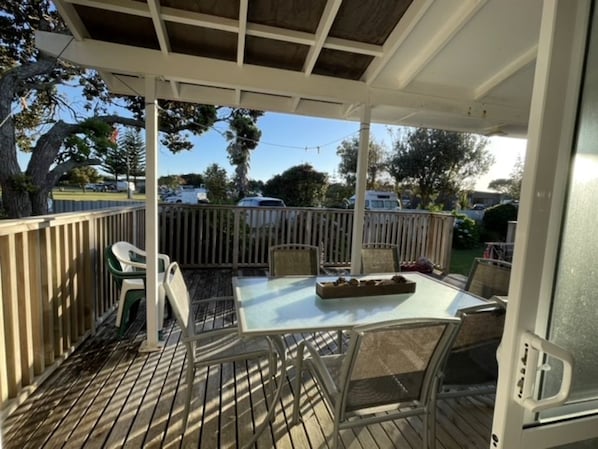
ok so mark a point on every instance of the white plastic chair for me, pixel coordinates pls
(133, 259)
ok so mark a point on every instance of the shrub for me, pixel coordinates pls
(466, 234)
(495, 222)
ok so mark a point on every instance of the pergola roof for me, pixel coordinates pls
(453, 64)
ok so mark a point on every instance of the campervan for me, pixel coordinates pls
(379, 201)
(189, 196)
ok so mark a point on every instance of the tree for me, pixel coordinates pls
(437, 163)
(171, 181)
(193, 179)
(133, 148)
(348, 151)
(299, 186)
(244, 136)
(36, 116)
(510, 186)
(81, 176)
(216, 181)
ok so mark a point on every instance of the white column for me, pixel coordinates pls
(151, 213)
(360, 185)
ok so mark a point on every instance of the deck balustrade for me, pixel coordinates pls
(55, 289)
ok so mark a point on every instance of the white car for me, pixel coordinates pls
(268, 217)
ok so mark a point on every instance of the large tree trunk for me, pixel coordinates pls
(16, 203)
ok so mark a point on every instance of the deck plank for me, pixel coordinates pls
(107, 394)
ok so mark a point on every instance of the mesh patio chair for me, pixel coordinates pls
(380, 258)
(489, 277)
(294, 259)
(472, 360)
(215, 346)
(390, 370)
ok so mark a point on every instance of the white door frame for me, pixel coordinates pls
(553, 111)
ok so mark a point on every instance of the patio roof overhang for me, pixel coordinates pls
(464, 65)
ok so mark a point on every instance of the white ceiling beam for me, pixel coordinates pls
(238, 96)
(71, 19)
(326, 21)
(295, 103)
(438, 41)
(507, 71)
(121, 6)
(410, 19)
(335, 43)
(243, 7)
(257, 80)
(174, 86)
(350, 109)
(131, 85)
(193, 69)
(159, 26)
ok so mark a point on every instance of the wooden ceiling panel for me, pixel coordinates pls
(298, 15)
(342, 64)
(279, 54)
(204, 42)
(124, 28)
(228, 9)
(370, 22)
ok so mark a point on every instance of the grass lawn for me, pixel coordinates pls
(462, 259)
(79, 195)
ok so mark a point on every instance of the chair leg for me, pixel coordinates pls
(297, 385)
(189, 380)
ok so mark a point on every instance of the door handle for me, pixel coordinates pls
(532, 346)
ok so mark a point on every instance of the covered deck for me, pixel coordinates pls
(108, 394)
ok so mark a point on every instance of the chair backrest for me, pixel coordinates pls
(114, 266)
(179, 299)
(294, 259)
(472, 359)
(489, 277)
(126, 251)
(380, 258)
(395, 362)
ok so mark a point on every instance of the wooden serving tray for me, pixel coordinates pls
(327, 290)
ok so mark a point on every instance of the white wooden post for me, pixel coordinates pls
(151, 214)
(360, 185)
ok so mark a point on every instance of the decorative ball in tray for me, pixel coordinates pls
(350, 287)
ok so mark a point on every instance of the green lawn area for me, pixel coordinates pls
(79, 195)
(462, 259)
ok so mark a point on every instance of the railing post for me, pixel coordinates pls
(236, 239)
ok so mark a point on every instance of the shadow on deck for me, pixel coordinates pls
(108, 395)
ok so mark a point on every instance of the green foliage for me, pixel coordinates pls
(299, 186)
(171, 181)
(337, 195)
(495, 222)
(437, 163)
(466, 234)
(133, 148)
(193, 179)
(216, 181)
(83, 175)
(348, 151)
(510, 186)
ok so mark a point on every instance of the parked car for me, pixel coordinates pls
(258, 218)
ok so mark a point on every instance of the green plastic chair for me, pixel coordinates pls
(131, 285)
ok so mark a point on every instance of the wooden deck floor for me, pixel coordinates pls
(108, 395)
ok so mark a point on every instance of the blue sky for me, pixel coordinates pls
(289, 140)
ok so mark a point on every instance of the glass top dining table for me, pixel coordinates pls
(289, 304)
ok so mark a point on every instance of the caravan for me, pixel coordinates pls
(379, 201)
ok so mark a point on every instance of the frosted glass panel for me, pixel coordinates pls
(575, 307)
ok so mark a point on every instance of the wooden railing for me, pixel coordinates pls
(227, 236)
(54, 287)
